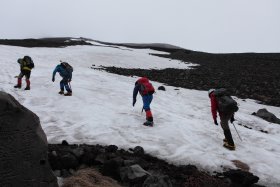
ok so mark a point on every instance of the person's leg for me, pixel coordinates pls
(66, 85)
(225, 126)
(147, 99)
(61, 87)
(27, 79)
(68, 89)
(19, 80)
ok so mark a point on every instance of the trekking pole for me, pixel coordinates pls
(142, 110)
(237, 131)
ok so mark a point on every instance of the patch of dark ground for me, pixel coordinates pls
(246, 75)
(44, 42)
(136, 168)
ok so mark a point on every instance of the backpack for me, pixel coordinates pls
(226, 104)
(68, 67)
(146, 86)
(29, 61)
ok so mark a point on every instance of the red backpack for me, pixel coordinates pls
(146, 86)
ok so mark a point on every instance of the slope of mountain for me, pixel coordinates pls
(100, 110)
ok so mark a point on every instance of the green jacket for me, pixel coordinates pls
(24, 65)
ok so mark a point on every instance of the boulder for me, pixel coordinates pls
(133, 174)
(23, 147)
(268, 116)
(138, 150)
(69, 161)
(241, 178)
(111, 168)
(157, 181)
(100, 159)
(162, 88)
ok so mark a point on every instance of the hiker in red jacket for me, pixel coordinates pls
(224, 117)
(146, 90)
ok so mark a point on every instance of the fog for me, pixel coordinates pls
(211, 26)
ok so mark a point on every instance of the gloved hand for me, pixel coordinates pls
(53, 79)
(232, 119)
(215, 121)
(133, 103)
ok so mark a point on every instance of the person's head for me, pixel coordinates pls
(210, 91)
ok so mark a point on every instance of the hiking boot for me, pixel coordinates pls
(68, 94)
(27, 88)
(149, 123)
(61, 92)
(17, 86)
(228, 146)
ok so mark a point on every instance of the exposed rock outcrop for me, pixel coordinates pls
(136, 168)
(266, 115)
(23, 147)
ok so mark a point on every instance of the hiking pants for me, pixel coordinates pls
(24, 73)
(147, 99)
(224, 123)
(64, 83)
(27, 77)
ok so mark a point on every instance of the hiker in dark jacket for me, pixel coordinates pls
(224, 117)
(26, 64)
(146, 90)
(66, 78)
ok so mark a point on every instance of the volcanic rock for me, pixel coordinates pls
(23, 147)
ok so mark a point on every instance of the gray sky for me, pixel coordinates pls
(205, 25)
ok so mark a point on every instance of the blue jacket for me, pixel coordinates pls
(62, 72)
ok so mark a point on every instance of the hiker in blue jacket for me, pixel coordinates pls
(65, 71)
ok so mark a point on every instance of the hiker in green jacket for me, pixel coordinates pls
(26, 65)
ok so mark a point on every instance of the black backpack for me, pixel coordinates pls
(226, 104)
(68, 67)
(29, 61)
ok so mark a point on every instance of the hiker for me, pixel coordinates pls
(65, 71)
(26, 64)
(222, 103)
(146, 90)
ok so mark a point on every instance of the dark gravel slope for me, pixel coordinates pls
(44, 42)
(246, 75)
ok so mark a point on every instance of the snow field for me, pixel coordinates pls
(100, 110)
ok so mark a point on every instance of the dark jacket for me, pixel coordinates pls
(24, 66)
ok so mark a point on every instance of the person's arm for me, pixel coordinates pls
(214, 108)
(135, 92)
(19, 61)
(54, 72)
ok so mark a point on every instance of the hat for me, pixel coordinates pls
(210, 91)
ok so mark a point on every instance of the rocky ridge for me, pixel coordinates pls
(134, 167)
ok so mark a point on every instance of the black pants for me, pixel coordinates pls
(25, 73)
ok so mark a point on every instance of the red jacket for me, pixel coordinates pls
(145, 86)
(214, 105)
